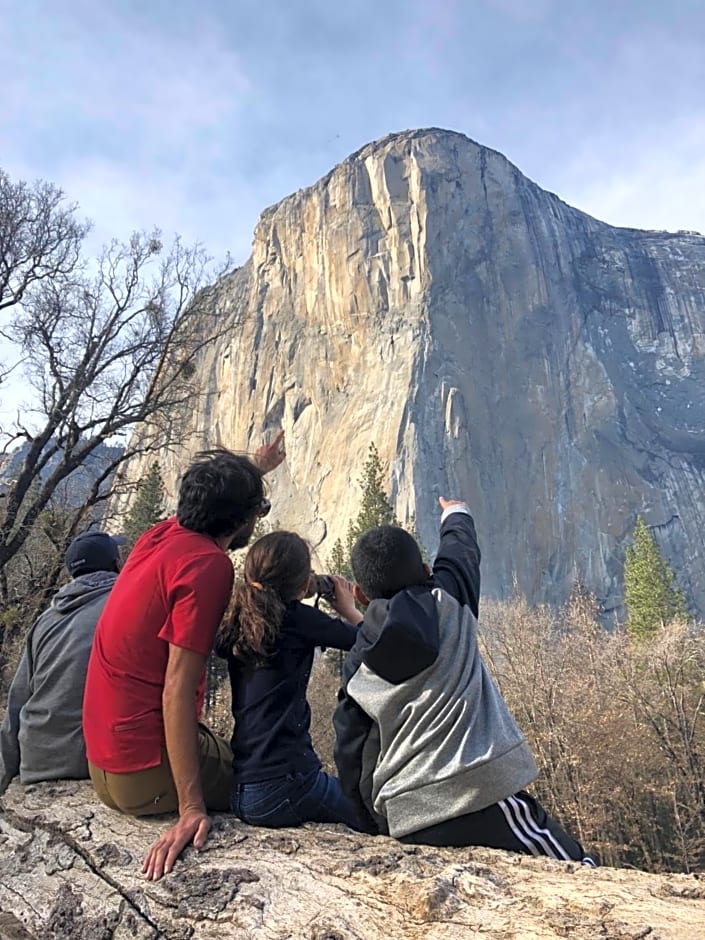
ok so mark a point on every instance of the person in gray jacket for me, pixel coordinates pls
(425, 745)
(41, 737)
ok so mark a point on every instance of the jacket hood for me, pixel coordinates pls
(83, 590)
(403, 634)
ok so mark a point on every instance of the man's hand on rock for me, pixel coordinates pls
(193, 826)
(269, 456)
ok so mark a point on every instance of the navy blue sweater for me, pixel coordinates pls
(272, 718)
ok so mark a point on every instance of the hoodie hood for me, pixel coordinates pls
(83, 590)
(402, 633)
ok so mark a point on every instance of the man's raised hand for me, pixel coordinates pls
(269, 456)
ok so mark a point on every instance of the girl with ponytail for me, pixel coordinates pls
(268, 639)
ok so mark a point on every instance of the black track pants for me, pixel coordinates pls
(518, 824)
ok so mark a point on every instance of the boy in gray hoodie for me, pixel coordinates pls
(41, 737)
(425, 745)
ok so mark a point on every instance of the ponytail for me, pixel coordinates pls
(276, 570)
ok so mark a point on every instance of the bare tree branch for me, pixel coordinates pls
(40, 237)
(106, 348)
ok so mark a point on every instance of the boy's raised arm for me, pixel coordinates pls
(457, 565)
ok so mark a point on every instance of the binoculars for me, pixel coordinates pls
(321, 585)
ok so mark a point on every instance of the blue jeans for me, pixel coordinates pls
(289, 801)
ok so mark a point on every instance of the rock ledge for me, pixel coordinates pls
(70, 868)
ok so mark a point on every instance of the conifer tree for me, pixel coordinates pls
(148, 505)
(375, 509)
(339, 560)
(651, 596)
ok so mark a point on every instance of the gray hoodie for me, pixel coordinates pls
(422, 733)
(41, 737)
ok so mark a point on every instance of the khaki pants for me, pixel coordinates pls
(152, 792)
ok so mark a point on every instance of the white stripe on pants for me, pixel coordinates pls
(538, 840)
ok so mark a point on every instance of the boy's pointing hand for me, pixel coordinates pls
(447, 503)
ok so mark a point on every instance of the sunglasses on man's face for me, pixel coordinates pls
(264, 508)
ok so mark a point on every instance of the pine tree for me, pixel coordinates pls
(339, 560)
(148, 505)
(375, 509)
(651, 596)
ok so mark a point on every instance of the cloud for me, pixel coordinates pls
(196, 117)
(656, 180)
(134, 121)
(522, 10)
(102, 69)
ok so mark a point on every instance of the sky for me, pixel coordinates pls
(195, 115)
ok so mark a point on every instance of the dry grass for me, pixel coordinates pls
(218, 714)
(322, 697)
(617, 728)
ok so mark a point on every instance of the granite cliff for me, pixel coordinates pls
(493, 342)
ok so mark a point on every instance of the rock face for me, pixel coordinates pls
(69, 868)
(493, 342)
(74, 490)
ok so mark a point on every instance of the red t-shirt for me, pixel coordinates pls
(174, 588)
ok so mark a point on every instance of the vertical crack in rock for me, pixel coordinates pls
(425, 277)
(68, 904)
